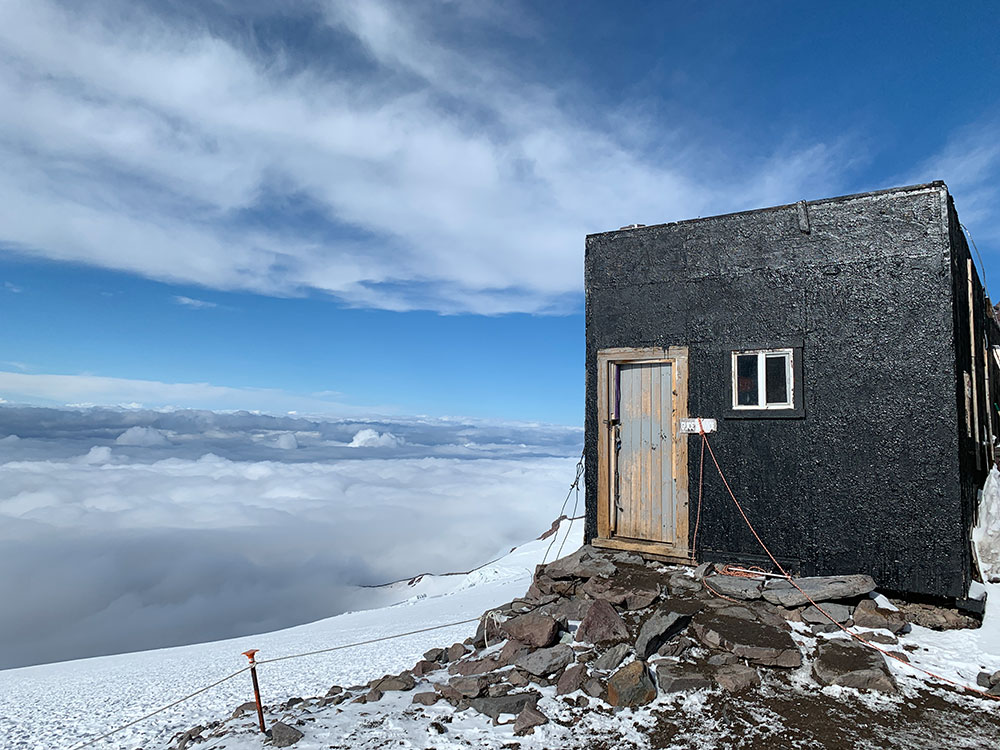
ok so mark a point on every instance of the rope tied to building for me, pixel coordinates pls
(706, 444)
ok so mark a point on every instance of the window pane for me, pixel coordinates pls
(776, 379)
(746, 379)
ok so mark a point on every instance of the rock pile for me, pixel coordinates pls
(610, 626)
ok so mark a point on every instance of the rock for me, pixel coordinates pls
(511, 651)
(602, 588)
(674, 678)
(584, 563)
(680, 582)
(983, 679)
(721, 660)
(839, 612)
(500, 688)
(756, 642)
(537, 631)
(582, 701)
(186, 738)
(512, 703)
(741, 613)
(435, 654)
(675, 646)
(438, 727)
(250, 706)
(568, 609)
(612, 658)
(631, 686)
(468, 667)
(703, 570)
(334, 690)
(601, 625)
(735, 587)
(593, 687)
(850, 664)
(640, 599)
(424, 666)
(820, 588)
(456, 651)
(452, 696)
(869, 615)
(426, 699)
(660, 627)
(403, 681)
(372, 696)
(467, 687)
(283, 735)
(827, 627)
(545, 661)
(488, 632)
(627, 558)
(571, 680)
(995, 678)
(517, 678)
(529, 718)
(737, 677)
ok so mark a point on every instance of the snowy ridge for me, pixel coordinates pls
(56, 705)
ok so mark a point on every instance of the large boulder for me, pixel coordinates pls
(537, 631)
(572, 679)
(602, 625)
(850, 664)
(546, 661)
(839, 612)
(660, 627)
(586, 562)
(820, 589)
(631, 686)
(756, 642)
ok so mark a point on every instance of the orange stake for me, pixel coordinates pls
(256, 688)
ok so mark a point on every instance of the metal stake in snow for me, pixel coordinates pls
(256, 688)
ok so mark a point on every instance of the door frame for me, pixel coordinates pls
(677, 357)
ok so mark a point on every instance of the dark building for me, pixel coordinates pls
(842, 347)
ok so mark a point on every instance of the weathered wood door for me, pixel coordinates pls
(646, 497)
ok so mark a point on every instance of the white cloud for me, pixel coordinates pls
(286, 442)
(222, 533)
(438, 177)
(198, 304)
(369, 438)
(90, 390)
(11, 288)
(969, 162)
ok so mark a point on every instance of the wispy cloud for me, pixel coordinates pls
(400, 170)
(98, 390)
(969, 162)
(198, 304)
(11, 288)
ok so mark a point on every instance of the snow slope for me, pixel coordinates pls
(56, 705)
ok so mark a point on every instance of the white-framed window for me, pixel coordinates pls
(762, 379)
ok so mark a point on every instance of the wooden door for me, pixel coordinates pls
(646, 497)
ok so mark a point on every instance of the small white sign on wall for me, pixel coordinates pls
(695, 425)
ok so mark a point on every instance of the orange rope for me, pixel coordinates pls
(855, 636)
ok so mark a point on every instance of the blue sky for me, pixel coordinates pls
(380, 207)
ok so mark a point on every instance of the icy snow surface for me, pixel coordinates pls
(986, 534)
(56, 705)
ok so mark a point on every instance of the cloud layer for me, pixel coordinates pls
(123, 530)
(372, 157)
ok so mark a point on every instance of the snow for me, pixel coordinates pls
(57, 705)
(986, 533)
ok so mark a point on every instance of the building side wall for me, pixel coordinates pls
(868, 479)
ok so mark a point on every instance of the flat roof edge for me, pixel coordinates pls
(925, 186)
